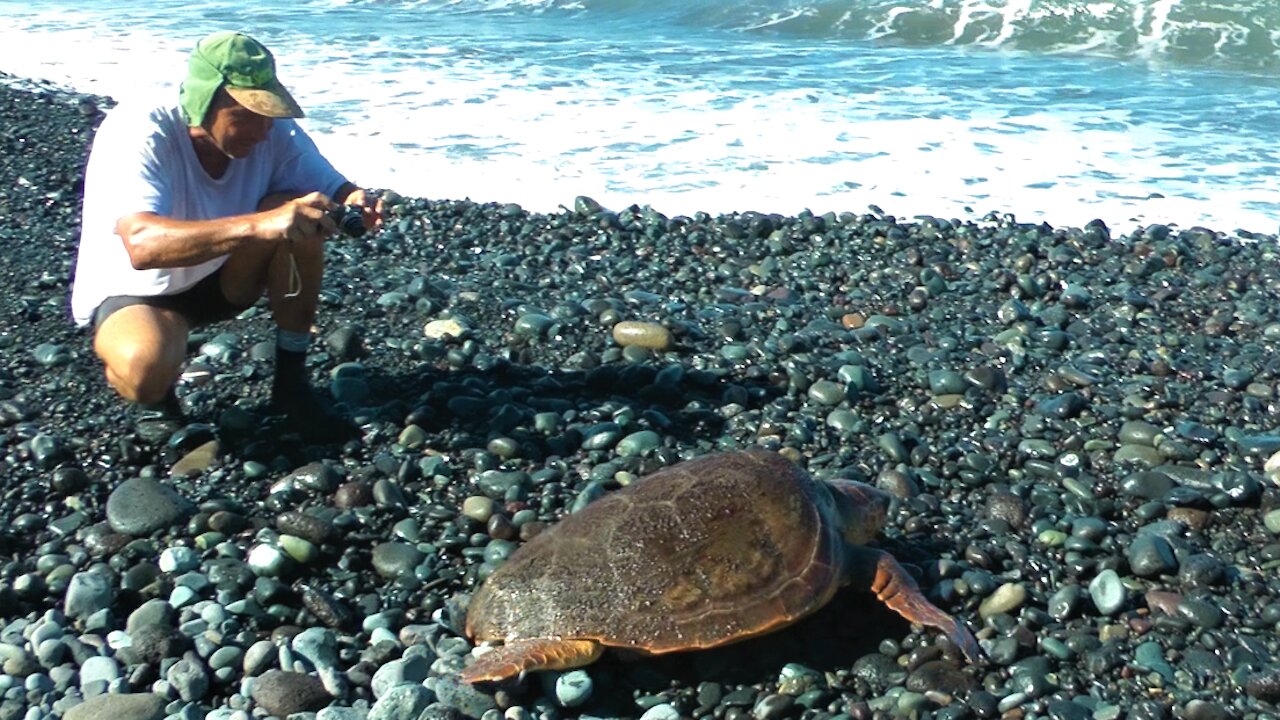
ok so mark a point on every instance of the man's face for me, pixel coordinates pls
(233, 128)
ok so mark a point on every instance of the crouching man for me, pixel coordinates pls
(194, 210)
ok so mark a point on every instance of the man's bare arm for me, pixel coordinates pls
(155, 241)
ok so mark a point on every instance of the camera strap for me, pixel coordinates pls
(295, 278)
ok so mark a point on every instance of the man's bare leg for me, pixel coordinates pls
(290, 273)
(142, 349)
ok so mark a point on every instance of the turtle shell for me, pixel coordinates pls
(703, 553)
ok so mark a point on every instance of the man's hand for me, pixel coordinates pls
(370, 207)
(298, 219)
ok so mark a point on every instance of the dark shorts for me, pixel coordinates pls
(201, 304)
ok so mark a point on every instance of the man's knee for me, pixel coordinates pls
(142, 377)
(142, 360)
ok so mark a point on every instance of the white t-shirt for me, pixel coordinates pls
(142, 161)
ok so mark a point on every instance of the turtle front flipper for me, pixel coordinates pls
(520, 656)
(895, 587)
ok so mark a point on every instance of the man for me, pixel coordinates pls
(191, 213)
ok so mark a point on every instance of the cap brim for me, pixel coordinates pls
(272, 101)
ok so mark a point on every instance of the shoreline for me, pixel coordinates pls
(1080, 428)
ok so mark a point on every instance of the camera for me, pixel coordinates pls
(349, 219)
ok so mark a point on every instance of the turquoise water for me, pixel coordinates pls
(1133, 112)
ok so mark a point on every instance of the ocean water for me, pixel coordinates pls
(1132, 111)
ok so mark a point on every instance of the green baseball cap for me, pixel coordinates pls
(242, 65)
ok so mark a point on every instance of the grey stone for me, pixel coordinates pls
(318, 646)
(99, 669)
(412, 669)
(392, 560)
(462, 696)
(141, 506)
(189, 677)
(402, 702)
(284, 693)
(87, 593)
(127, 706)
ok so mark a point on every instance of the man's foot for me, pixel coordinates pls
(312, 417)
(154, 424)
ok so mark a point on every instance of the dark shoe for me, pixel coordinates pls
(312, 417)
(155, 423)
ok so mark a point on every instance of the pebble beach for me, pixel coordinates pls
(1080, 427)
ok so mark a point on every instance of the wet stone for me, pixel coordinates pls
(1151, 556)
(1201, 613)
(1148, 484)
(1069, 710)
(1137, 432)
(533, 325)
(772, 707)
(1264, 686)
(1138, 455)
(392, 560)
(938, 676)
(302, 525)
(1150, 655)
(946, 382)
(317, 476)
(639, 443)
(353, 494)
(1108, 592)
(827, 392)
(1205, 710)
(1271, 520)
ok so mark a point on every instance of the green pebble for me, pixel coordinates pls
(842, 420)
(303, 551)
(254, 470)
(532, 325)
(504, 447)
(1140, 454)
(478, 508)
(209, 540)
(1137, 432)
(1036, 448)
(1052, 538)
(1272, 521)
(412, 437)
(827, 392)
(636, 355)
(639, 443)
(546, 422)
(1004, 600)
(946, 382)
(1055, 648)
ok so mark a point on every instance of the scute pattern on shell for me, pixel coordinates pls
(713, 550)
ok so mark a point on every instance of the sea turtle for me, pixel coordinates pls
(707, 552)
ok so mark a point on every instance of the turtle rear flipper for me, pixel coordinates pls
(894, 587)
(520, 656)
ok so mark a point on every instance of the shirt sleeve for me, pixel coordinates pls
(301, 167)
(136, 180)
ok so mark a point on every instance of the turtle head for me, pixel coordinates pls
(863, 510)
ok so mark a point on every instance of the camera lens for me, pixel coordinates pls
(349, 220)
